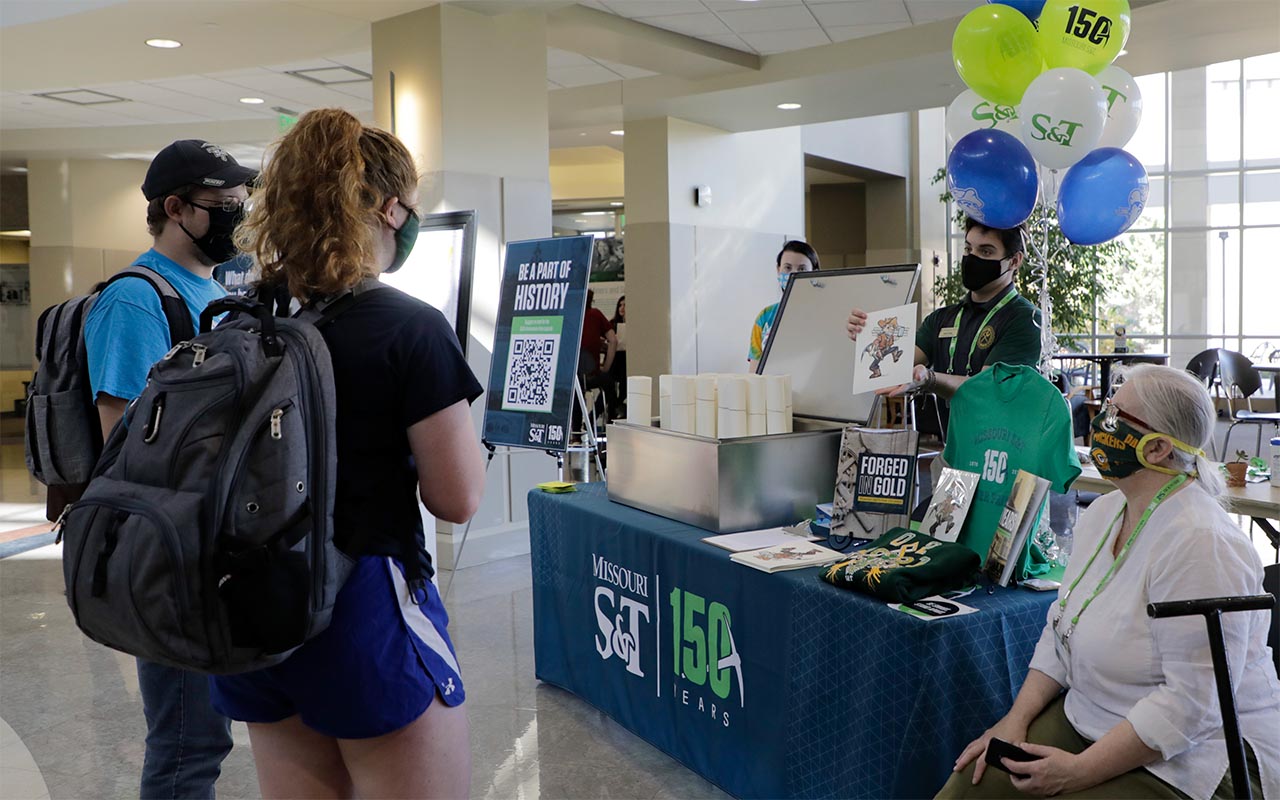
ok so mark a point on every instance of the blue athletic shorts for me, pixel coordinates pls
(374, 670)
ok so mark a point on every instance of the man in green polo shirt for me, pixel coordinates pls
(993, 324)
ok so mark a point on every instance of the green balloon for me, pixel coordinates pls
(997, 53)
(1084, 34)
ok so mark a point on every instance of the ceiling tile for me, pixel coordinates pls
(734, 5)
(785, 41)
(867, 12)
(845, 33)
(730, 40)
(596, 4)
(765, 20)
(552, 85)
(700, 25)
(360, 91)
(581, 76)
(637, 9)
(563, 58)
(923, 11)
(361, 61)
(625, 70)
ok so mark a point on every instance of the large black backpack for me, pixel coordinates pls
(64, 435)
(205, 538)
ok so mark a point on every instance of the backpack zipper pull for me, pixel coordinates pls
(173, 351)
(201, 351)
(276, 416)
(61, 523)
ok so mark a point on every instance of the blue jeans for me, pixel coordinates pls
(186, 738)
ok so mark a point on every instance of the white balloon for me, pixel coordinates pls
(1064, 112)
(970, 112)
(1124, 106)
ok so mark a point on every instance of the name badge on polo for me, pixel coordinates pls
(948, 333)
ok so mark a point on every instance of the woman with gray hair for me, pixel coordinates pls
(1117, 704)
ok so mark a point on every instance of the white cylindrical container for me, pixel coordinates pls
(706, 406)
(1275, 459)
(775, 422)
(664, 401)
(786, 389)
(732, 404)
(683, 404)
(775, 393)
(640, 400)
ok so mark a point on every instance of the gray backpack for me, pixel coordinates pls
(63, 433)
(205, 538)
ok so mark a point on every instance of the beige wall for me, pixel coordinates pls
(697, 276)
(14, 251)
(838, 223)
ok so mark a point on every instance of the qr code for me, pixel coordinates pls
(531, 373)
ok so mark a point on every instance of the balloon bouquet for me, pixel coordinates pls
(1043, 97)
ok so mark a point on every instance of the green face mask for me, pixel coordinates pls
(1117, 448)
(406, 238)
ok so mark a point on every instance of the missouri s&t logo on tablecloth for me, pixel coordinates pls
(618, 612)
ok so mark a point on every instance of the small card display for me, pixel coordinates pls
(884, 353)
(932, 608)
(950, 504)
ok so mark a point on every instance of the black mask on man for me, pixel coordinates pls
(977, 272)
(216, 243)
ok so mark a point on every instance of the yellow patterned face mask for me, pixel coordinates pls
(1118, 449)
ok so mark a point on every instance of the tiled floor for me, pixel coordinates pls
(73, 705)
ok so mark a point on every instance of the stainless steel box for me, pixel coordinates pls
(723, 485)
(727, 485)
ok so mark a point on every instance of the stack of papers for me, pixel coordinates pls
(757, 540)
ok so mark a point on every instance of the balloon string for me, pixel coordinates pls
(1040, 258)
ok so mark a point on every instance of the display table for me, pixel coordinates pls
(1105, 360)
(767, 685)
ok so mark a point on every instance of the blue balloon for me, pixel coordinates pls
(1102, 196)
(992, 178)
(1030, 8)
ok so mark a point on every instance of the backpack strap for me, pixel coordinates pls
(176, 313)
(325, 310)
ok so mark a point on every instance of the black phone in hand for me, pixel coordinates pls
(999, 748)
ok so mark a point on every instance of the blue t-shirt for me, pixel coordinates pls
(126, 331)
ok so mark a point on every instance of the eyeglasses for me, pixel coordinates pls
(1111, 412)
(231, 204)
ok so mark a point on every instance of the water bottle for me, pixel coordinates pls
(1275, 462)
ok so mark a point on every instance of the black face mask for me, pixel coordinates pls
(216, 244)
(977, 272)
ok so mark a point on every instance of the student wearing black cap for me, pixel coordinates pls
(195, 196)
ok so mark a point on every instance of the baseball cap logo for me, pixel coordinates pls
(214, 150)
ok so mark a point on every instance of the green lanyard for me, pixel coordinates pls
(1160, 497)
(951, 364)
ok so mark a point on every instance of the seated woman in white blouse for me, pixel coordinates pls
(1139, 716)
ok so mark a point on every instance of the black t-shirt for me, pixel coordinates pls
(396, 361)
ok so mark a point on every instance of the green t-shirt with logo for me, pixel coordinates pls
(1005, 419)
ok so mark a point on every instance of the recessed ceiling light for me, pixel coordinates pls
(616, 204)
(788, 106)
(584, 133)
(617, 133)
(164, 44)
(252, 101)
(594, 213)
(22, 234)
(19, 170)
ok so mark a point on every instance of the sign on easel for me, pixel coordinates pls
(535, 345)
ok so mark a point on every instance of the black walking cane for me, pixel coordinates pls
(1212, 610)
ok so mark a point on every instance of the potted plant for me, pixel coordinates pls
(1237, 469)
